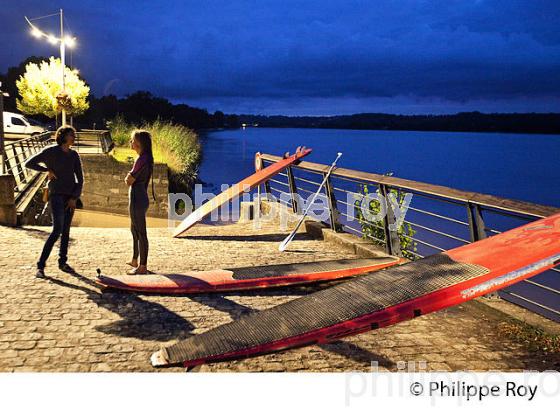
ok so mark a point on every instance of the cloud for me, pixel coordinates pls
(302, 52)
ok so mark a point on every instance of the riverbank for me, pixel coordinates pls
(528, 123)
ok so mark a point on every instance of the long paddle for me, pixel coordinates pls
(282, 247)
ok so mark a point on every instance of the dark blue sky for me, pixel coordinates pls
(310, 57)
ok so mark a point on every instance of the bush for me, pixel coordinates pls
(375, 230)
(175, 145)
(120, 130)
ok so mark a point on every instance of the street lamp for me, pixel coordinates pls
(64, 42)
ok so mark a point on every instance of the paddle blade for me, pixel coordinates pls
(282, 247)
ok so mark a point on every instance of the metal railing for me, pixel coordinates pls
(438, 219)
(93, 142)
(15, 155)
(27, 181)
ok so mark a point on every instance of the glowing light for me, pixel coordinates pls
(36, 32)
(70, 41)
(52, 39)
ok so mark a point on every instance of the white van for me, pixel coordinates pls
(16, 125)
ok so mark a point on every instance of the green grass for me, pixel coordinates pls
(172, 144)
(128, 155)
(533, 338)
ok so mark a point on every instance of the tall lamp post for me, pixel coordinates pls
(63, 42)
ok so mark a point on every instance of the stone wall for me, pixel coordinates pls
(105, 190)
(7, 204)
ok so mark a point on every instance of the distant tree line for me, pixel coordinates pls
(142, 106)
(461, 122)
(137, 108)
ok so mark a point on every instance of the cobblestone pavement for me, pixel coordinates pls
(65, 323)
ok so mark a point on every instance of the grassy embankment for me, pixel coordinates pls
(174, 145)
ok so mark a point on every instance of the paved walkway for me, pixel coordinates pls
(66, 324)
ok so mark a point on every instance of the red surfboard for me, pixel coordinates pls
(259, 177)
(253, 277)
(380, 299)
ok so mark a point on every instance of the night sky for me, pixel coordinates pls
(309, 57)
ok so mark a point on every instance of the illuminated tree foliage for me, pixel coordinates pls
(40, 88)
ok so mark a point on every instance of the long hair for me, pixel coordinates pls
(144, 138)
(62, 133)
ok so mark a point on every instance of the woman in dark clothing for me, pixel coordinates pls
(66, 179)
(138, 179)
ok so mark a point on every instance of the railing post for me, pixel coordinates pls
(267, 189)
(476, 222)
(5, 164)
(334, 214)
(259, 164)
(102, 142)
(478, 232)
(21, 173)
(392, 241)
(29, 148)
(293, 191)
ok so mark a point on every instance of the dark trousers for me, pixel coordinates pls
(139, 234)
(61, 219)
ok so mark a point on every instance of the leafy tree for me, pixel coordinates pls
(9, 81)
(375, 230)
(41, 92)
(142, 106)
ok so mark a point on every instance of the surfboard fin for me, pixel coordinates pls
(298, 150)
(192, 369)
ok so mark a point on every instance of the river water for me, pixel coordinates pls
(516, 166)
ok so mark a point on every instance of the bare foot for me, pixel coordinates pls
(141, 270)
(133, 263)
